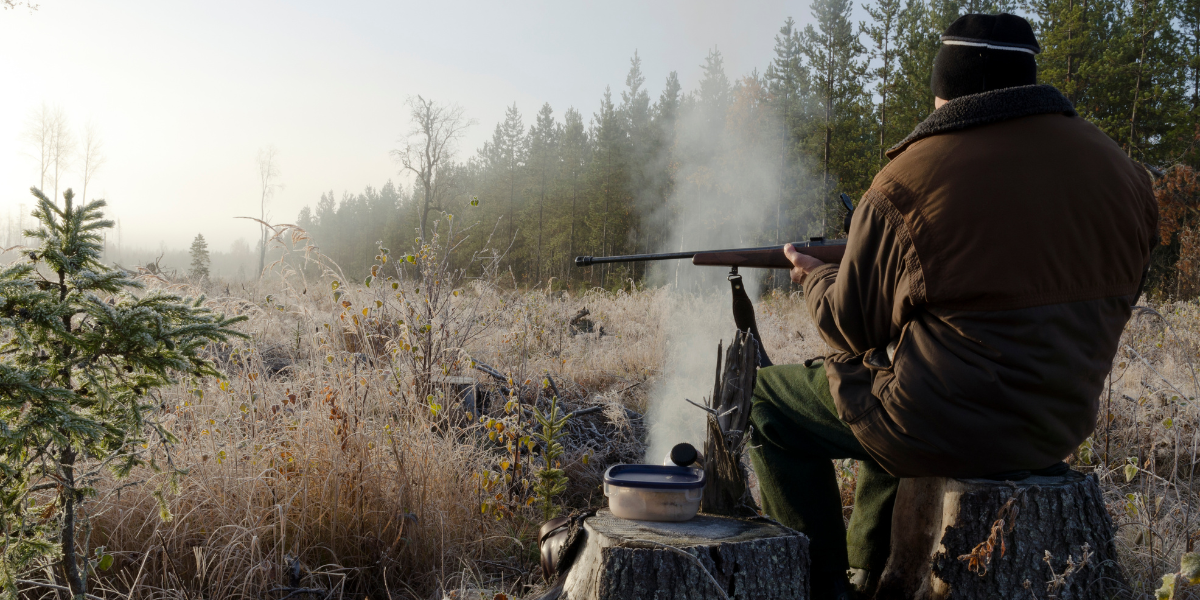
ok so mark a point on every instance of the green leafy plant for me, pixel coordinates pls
(1188, 574)
(551, 481)
(80, 355)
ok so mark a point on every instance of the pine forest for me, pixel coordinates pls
(642, 170)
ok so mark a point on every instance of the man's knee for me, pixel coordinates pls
(780, 413)
(793, 411)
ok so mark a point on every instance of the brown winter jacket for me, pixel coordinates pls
(999, 254)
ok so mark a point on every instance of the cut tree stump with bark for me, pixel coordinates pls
(462, 394)
(1039, 538)
(706, 558)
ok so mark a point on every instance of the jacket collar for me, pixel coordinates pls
(988, 107)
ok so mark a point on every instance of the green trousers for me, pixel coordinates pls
(796, 434)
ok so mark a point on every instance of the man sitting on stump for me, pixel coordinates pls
(990, 270)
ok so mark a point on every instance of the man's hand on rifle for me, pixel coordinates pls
(803, 264)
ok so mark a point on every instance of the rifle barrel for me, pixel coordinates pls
(587, 261)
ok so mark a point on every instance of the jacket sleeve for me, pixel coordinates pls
(864, 302)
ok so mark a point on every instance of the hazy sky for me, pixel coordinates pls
(185, 94)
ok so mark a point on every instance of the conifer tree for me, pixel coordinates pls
(787, 79)
(835, 57)
(609, 173)
(921, 24)
(711, 101)
(543, 154)
(575, 159)
(635, 101)
(916, 50)
(666, 110)
(200, 262)
(1189, 34)
(666, 119)
(1146, 94)
(79, 354)
(635, 110)
(510, 142)
(883, 32)
(1072, 34)
(661, 178)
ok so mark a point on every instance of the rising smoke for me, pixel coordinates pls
(726, 195)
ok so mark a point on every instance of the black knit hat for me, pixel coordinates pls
(985, 52)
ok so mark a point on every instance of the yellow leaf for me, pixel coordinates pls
(1131, 471)
(1189, 567)
(1168, 588)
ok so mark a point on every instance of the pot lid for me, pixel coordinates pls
(655, 476)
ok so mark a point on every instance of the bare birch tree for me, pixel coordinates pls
(93, 155)
(430, 146)
(268, 176)
(57, 144)
(49, 142)
(37, 139)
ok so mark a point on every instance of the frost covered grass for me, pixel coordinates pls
(336, 457)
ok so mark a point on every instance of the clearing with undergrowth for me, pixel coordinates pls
(377, 436)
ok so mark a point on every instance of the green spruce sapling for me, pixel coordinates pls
(79, 357)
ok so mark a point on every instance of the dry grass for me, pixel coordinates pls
(1144, 449)
(319, 464)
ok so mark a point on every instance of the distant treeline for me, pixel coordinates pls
(781, 142)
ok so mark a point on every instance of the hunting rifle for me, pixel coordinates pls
(764, 257)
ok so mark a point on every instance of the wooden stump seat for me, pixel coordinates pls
(1044, 536)
(706, 558)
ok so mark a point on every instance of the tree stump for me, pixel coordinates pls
(1042, 537)
(461, 393)
(706, 558)
(726, 491)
